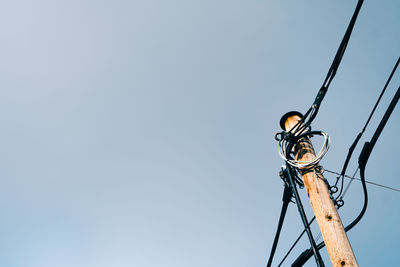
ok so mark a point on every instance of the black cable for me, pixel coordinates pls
(362, 162)
(287, 195)
(306, 255)
(383, 91)
(290, 190)
(342, 47)
(295, 242)
(302, 124)
(384, 120)
(332, 70)
(314, 250)
(352, 147)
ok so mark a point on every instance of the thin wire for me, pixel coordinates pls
(368, 182)
(349, 184)
(342, 196)
(352, 147)
(362, 161)
(295, 243)
(380, 96)
(318, 237)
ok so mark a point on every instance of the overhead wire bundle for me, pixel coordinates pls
(302, 129)
(355, 142)
(362, 162)
(311, 113)
(285, 149)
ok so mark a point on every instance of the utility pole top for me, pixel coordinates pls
(287, 116)
(330, 224)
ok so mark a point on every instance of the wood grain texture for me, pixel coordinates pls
(332, 230)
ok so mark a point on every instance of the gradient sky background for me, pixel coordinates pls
(141, 133)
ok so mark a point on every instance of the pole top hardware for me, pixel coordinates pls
(287, 115)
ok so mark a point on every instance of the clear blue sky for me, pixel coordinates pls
(140, 133)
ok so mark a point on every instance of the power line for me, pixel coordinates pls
(362, 162)
(295, 243)
(307, 254)
(355, 142)
(319, 235)
(349, 184)
(287, 196)
(368, 182)
(310, 115)
(363, 158)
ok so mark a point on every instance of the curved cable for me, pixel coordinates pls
(285, 149)
(313, 111)
(307, 254)
(352, 147)
(362, 162)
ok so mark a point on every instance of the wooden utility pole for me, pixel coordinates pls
(336, 241)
